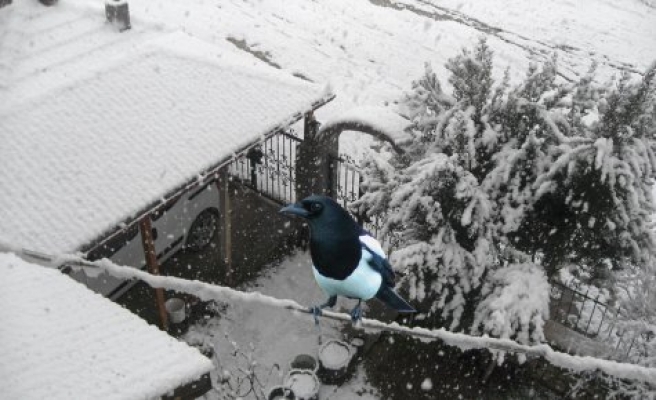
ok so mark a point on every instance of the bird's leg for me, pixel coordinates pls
(317, 310)
(356, 313)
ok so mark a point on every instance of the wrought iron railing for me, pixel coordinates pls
(345, 180)
(589, 315)
(581, 311)
(270, 167)
(346, 188)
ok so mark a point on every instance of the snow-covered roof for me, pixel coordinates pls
(59, 340)
(114, 135)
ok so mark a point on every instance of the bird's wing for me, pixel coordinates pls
(378, 259)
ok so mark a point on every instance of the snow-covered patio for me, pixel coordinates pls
(273, 336)
(291, 281)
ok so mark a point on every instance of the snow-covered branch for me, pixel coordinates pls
(207, 292)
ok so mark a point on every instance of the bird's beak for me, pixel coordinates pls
(295, 209)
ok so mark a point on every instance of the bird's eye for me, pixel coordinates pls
(316, 207)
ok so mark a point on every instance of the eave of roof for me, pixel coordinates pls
(62, 148)
(210, 174)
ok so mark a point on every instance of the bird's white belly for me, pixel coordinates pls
(363, 283)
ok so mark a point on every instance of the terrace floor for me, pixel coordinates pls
(272, 336)
(205, 265)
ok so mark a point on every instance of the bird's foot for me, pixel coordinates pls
(317, 310)
(316, 313)
(356, 315)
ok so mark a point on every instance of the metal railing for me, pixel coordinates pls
(588, 315)
(345, 180)
(346, 187)
(580, 311)
(270, 167)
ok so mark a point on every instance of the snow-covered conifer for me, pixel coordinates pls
(508, 184)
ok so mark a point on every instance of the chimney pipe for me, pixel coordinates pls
(118, 13)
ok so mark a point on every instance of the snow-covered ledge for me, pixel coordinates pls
(380, 122)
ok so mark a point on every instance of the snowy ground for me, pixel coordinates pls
(276, 335)
(370, 51)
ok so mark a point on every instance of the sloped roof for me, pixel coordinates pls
(59, 340)
(83, 156)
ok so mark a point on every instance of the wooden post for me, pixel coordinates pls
(146, 227)
(313, 172)
(306, 160)
(227, 226)
(309, 124)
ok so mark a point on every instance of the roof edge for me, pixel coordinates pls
(208, 175)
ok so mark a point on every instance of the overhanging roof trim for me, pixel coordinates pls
(208, 175)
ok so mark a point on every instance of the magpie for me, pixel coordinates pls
(347, 260)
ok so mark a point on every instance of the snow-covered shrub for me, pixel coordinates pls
(514, 303)
(441, 207)
(504, 181)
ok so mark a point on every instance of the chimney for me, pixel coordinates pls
(118, 14)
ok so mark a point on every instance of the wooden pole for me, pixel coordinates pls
(308, 126)
(146, 227)
(306, 160)
(227, 237)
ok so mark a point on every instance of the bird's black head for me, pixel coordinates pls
(321, 211)
(310, 208)
(334, 241)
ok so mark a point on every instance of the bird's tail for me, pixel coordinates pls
(388, 296)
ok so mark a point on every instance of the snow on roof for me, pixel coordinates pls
(83, 156)
(62, 341)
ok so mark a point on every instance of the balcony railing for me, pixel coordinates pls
(269, 168)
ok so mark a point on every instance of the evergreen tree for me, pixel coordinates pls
(505, 184)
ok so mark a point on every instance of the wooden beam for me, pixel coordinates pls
(214, 170)
(227, 227)
(308, 126)
(146, 227)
